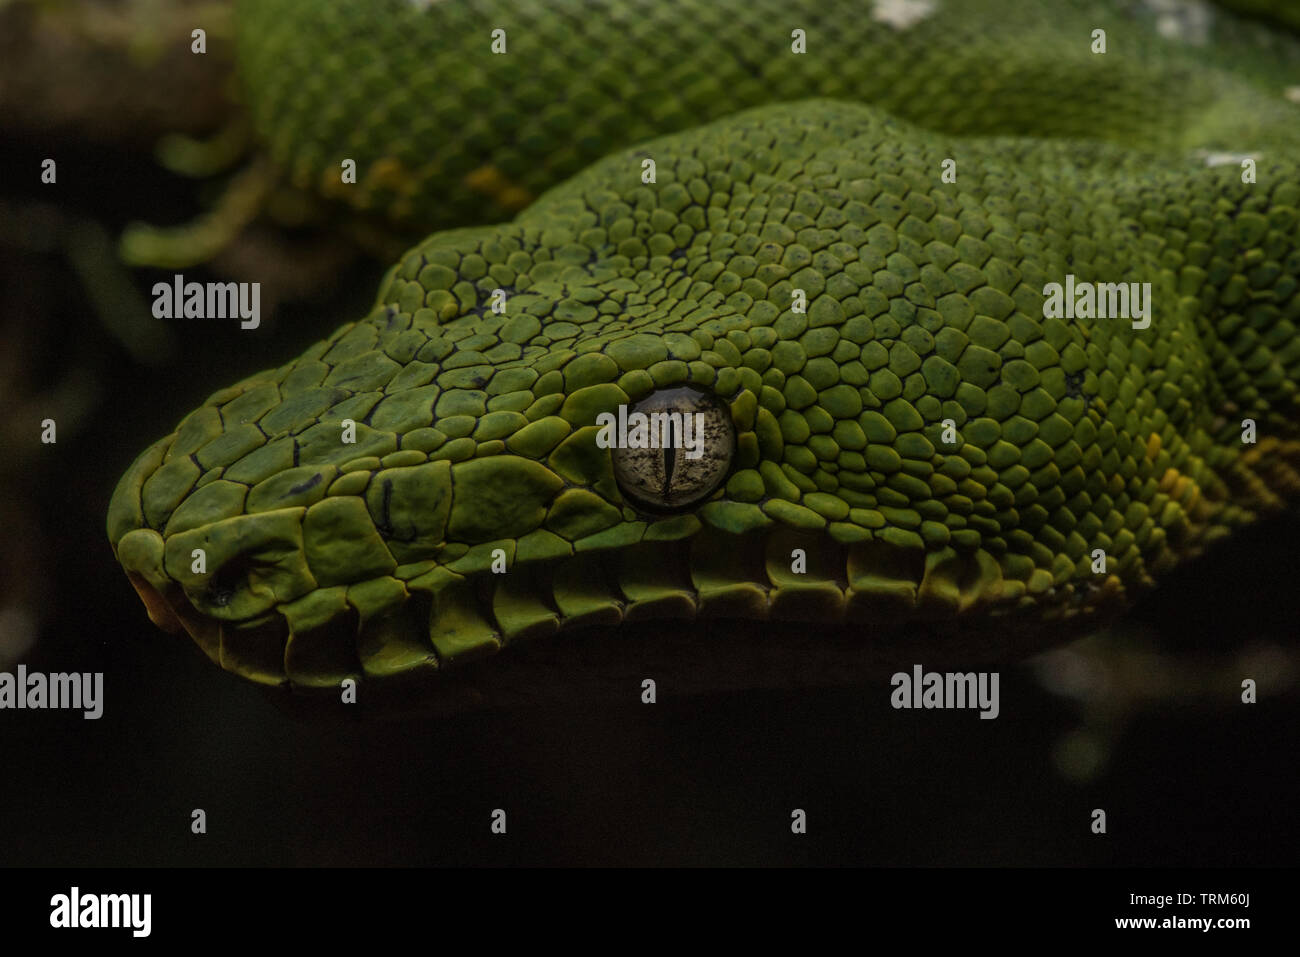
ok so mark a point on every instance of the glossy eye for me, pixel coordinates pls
(671, 449)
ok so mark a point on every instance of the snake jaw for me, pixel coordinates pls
(158, 609)
(811, 591)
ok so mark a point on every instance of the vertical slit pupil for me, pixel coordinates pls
(670, 456)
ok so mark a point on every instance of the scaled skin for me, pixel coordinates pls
(445, 133)
(476, 431)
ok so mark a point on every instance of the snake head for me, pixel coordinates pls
(877, 424)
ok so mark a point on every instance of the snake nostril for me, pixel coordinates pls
(228, 580)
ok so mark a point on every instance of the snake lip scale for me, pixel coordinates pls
(968, 376)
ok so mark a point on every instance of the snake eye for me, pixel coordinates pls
(671, 449)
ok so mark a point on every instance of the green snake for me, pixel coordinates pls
(840, 258)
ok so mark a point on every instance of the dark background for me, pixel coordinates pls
(1145, 721)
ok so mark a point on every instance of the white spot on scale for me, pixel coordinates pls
(1224, 159)
(901, 14)
(1186, 21)
(1292, 93)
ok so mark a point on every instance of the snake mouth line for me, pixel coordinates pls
(859, 593)
(821, 603)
